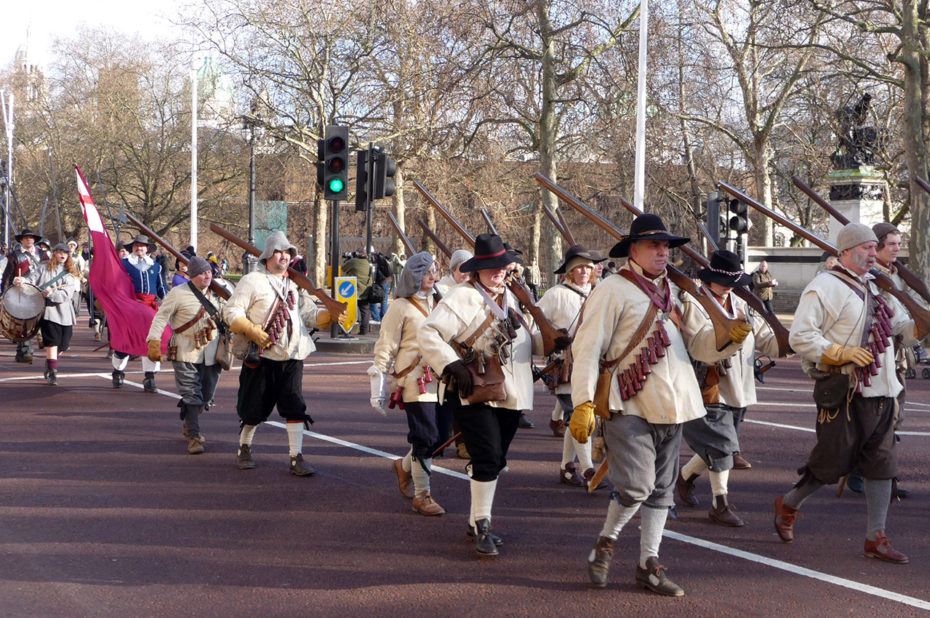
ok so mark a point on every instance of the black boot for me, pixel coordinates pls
(148, 383)
(52, 376)
(599, 561)
(118, 377)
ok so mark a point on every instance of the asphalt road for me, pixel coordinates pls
(102, 513)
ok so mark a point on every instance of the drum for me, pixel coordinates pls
(22, 308)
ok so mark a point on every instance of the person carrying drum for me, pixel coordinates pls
(59, 280)
(23, 264)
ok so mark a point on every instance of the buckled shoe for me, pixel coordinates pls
(722, 513)
(484, 544)
(569, 476)
(653, 578)
(881, 548)
(784, 520)
(299, 468)
(404, 479)
(557, 427)
(425, 505)
(244, 457)
(599, 561)
(472, 533)
(118, 378)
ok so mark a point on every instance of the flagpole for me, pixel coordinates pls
(639, 183)
(194, 156)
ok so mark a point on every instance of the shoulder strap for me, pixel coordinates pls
(208, 306)
(417, 305)
(637, 337)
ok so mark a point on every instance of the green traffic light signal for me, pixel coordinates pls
(336, 185)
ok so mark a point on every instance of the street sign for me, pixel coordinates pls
(347, 292)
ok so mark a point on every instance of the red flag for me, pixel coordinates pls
(128, 319)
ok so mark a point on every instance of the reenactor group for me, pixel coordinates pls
(636, 362)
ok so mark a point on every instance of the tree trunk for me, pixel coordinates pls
(763, 180)
(913, 127)
(400, 211)
(548, 131)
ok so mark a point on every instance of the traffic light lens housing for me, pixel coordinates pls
(336, 185)
(335, 162)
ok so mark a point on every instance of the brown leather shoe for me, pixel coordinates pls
(404, 479)
(599, 561)
(588, 475)
(244, 457)
(299, 467)
(569, 476)
(784, 520)
(194, 446)
(740, 463)
(557, 427)
(881, 548)
(653, 578)
(461, 452)
(685, 489)
(722, 513)
(425, 505)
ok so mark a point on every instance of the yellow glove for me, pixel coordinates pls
(154, 353)
(244, 326)
(838, 356)
(323, 319)
(582, 423)
(739, 332)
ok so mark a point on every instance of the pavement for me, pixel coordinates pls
(102, 513)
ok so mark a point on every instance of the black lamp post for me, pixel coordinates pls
(251, 123)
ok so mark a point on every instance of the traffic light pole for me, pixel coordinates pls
(369, 191)
(334, 260)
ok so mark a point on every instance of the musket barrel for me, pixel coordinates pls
(214, 286)
(400, 233)
(441, 245)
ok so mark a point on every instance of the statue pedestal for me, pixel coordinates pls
(858, 194)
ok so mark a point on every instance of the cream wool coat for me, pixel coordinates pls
(737, 387)
(397, 348)
(829, 312)
(455, 318)
(177, 308)
(612, 313)
(445, 284)
(253, 298)
(562, 307)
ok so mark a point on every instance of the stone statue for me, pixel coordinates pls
(857, 143)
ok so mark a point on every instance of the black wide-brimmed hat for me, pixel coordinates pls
(27, 232)
(141, 239)
(489, 253)
(646, 227)
(724, 269)
(516, 253)
(578, 251)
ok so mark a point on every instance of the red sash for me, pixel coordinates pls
(148, 299)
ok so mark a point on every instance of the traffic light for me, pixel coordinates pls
(336, 162)
(361, 182)
(739, 221)
(384, 170)
(716, 218)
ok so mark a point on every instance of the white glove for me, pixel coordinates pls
(378, 389)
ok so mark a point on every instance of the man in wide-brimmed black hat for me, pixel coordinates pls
(632, 325)
(727, 385)
(22, 266)
(149, 286)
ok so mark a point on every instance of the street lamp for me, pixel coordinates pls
(253, 124)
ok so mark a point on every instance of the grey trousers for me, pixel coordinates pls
(643, 460)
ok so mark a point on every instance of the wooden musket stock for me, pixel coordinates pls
(920, 315)
(432, 235)
(778, 329)
(907, 275)
(334, 307)
(549, 334)
(400, 233)
(216, 287)
(557, 224)
(723, 323)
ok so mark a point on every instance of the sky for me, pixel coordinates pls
(38, 22)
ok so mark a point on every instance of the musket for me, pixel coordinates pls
(216, 287)
(400, 233)
(548, 332)
(487, 220)
(334, 307)
(907, 275)
(778, 329)
(923, 184)
(557, 224)
(723, 321)
(432, 235)
(569, 236)
(920, 315)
